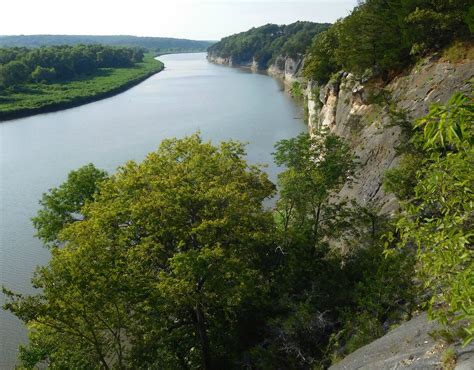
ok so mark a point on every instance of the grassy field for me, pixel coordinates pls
(29, 99)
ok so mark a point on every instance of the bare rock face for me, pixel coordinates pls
(220, 60)
(409, 346)
(287, 69)
(368, 117)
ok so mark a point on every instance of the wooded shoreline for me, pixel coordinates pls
(55, 106)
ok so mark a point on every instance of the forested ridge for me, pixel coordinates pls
(56, 77)
(382, 37)
(175, 262)
(264, 44)
(154, 44)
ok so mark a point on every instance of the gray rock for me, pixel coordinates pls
(409, 346)
(370, 127)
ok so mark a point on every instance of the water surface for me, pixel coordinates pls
(36, 153)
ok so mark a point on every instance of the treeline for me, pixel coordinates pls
(381, 37)
(60, 63)
(155, 44)
(268, 42)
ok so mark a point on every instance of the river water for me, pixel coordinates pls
(36, 153)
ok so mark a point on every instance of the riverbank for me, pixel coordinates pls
(32, 99)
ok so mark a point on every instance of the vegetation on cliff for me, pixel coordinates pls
(175, 263)
(264, 44)
(438, 208)
(51, 78)
(381, 37)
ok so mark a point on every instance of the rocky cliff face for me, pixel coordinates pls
(284, 68)
(370, 116)
(287, 69)
(411, 347)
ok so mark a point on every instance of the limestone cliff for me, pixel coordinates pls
(370, 115)
(286, 69)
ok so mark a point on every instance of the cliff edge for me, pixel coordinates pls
(371, 117)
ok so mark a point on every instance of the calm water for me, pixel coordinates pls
(36, 153)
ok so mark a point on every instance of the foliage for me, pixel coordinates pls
(321, 61)
(449, 127)
(163, 268)
(437, 220)
(158, 44)
(402, 180)
(323, 296)
(22, 65)
(266, 43)
(316, 166)
(39, 97)
(175, 263)
(62, 206)
(385, 36)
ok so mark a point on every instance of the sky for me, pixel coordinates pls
(193, 19)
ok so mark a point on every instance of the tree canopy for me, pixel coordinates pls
(176, 263)
(149, 43)
(19, 65)
(385, 36)
(266, 43)
(437, 215)
(162, 267)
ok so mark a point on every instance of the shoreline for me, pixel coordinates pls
(76, 102)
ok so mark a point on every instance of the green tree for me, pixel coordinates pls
(13, 73)
(438, 219)
(322, 62)
(62, 206)
(316, 167)
(163, 268)
(41, 74)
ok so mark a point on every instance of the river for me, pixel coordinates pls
(36, 153)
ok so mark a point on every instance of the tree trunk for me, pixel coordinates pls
(203, 338)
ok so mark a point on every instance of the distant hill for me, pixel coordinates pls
(152, 43)
(266, 43)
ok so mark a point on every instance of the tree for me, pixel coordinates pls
(41, 74)
(438, 219)
(317, 166)
(161, 270)
(13, 73)
(322, 63)
(62, 206)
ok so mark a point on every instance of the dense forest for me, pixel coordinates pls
(155, 44)
(382, 37)
(268, 42)
(54, 77)
(57, 63)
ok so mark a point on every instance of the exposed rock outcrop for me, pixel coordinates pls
(409, 346)
(286, 69)
(370, 116)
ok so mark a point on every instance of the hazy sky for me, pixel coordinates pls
(195, 19)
